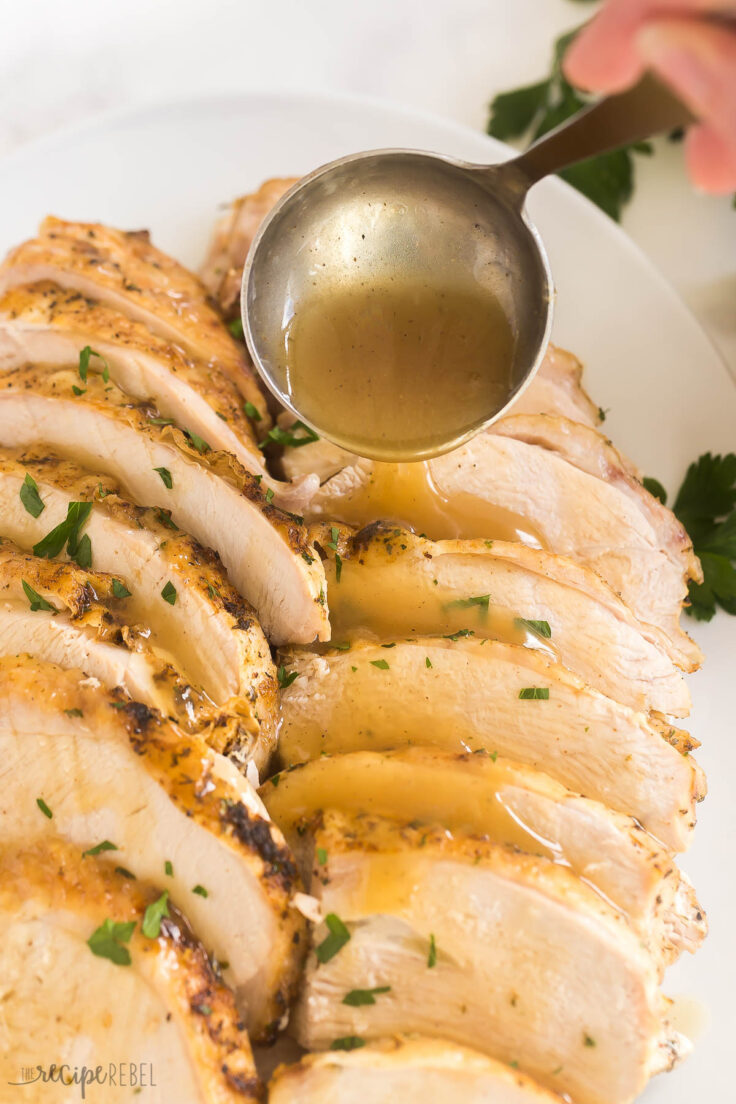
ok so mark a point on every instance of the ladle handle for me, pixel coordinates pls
(641, 112)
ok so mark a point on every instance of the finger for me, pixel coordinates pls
(711, 161)
(697, 60)
(604, 58)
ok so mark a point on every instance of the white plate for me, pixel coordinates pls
(670, 397)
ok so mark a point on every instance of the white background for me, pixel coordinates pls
(64, 60)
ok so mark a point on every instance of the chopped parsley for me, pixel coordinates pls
(269, 494)
(481, 600)
(427, 662)
(291, 437)
(236, 328)
(160, 421)
(213, 591)
(44, 808)
(338, 567)
(199, 442)
(119, 590)
(84, 356)
(169, 593)
(125, 873)
(200, 891)
(541, 628)
(321, 856)
(30, 497)
(432, 955)
(357, 997)
(165, 477)
(106, 845)
(155, 912)
(37, 602)
(74, 712)
(588, 1041)
(380, 663)
(66, 533)
(252, 411)
(459, 633)
(79, 390)
(286, 679)
(347, 1042)
(107, 940)
(169, 868)
(335, 941)
(534, 693)
(340, 645)
(82, 554)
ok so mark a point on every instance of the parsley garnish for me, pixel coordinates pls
(199, 442)
(82, 554)
(119, 590)
(335, 941)
(541, 628)
(79, 390)
(347, 1042)
(321, 856)
(481, 600)
(459, 633)
(608, 180)
(200, 891)
(269, 494)
(380, 663)
(169, 868)
(534, 693)
(288, 437)
(155, 912)
(252, 411)
(125, 873)
(67, 533)
(107, 941)
(99, 848)
(84, 356)
(284, 679)
(169, 593)
(213, 591)
(340, 645)
(427, 662)
(432, 956)
(236, 327)
(37, 602)
(30, 497)
(44, 807)
(706, 506)
(338, 567)
(74, 712)
(165, 477)
(588, 1041)
(160, 421)
(357, 997)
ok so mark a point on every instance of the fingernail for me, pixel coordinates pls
(669, 54)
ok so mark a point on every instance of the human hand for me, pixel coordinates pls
(691, 46)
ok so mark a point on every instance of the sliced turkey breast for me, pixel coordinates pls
(266, 552)
(47, 324)
(395, 584)
(146, 1003)
(222, 271)
(177, 813)
(501, 800)
(73, 617)
(124, 270)
(209, 630)
(497, 483)
(556, 389)
(413, 1070)
(500, 951)
(466, 694)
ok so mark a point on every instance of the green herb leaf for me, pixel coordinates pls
(321, 856)
(84, 356)
(125, 873)
(347, 1042)
(119, 589)
(295, 436)
(380, 663)
(165, 477)
(335, 941)
(99, 848)
(655, 488)
(357, 997)
(269, 494)
(37, 602)
(286, 679)
(79, 390)
(169, 593)
(541, 628)
(252, 411)
(65, 533)
(44, 808)
(340, 645)
(74, 712)
(534, 693)
(30, 497)
(200, 891)
(107, 940)
(427, 662)
(199, 442)
(432, 955)
(512, 113)
(338, 567)
(152, 917)
(169, 868)
(82, 554)
(481, 600)
(460, 633)
(161, 421)
(236, 327)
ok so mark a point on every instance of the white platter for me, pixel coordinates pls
(670, 398)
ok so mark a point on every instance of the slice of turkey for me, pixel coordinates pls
(266, 552)
(416, 1070)
(402, 585)
(109, 769)
(210, 631)
(592, 520)
(500, 951)
(222, 271)
(464, 694)
(47, 324)
(556, 389)
(124, 270)
(501, 800)
(164, 1021)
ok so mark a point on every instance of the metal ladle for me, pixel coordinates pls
(430, 216)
